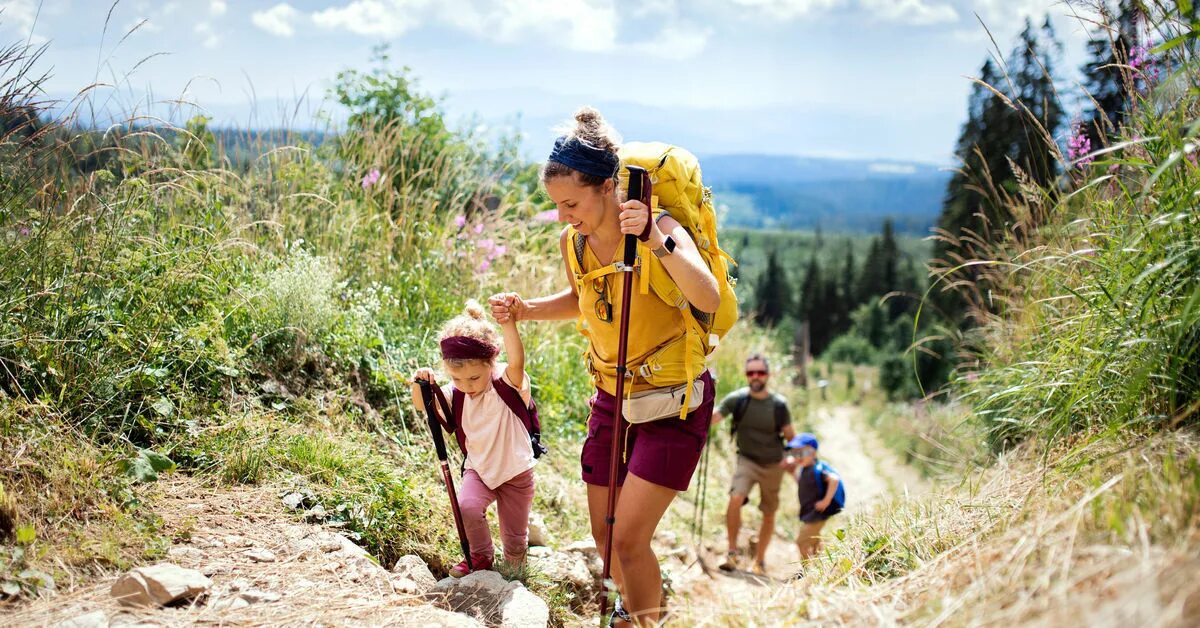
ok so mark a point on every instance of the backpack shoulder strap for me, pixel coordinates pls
(739, 411)
(781, 413)
(457, 400)
(526, 413)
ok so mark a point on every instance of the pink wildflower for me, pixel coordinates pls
(371, 179)
(550, 215)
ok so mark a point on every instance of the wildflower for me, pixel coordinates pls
(1079, 146)
(486, 244)
(1138, 57)
(479, 228)
(550, 215)
(23, 231)
(460, 221)
(484, 265)
(501, 249)
(371, 179)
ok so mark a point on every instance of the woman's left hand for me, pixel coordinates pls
(634, 216)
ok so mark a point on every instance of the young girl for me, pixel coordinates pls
(499, 453)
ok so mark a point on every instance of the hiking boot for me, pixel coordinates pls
(462, 569)
(731, 562)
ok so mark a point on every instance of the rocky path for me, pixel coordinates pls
(241, 558)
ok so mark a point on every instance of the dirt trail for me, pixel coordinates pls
(871, 471)
(266, 569)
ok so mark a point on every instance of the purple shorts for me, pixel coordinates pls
(662, 452)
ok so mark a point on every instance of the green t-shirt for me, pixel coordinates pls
(758, 436)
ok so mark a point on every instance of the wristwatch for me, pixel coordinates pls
(667, 248)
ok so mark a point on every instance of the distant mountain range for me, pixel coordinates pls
(835, 195)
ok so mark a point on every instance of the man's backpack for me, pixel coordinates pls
(512, 398)
(678, 191)
(739, 411)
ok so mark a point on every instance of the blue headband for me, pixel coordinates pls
(583, 157)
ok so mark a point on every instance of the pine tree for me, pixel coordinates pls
(773, 293)
(1106, 81)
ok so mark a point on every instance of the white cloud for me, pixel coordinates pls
(789, 9)
(588, 25)
(913, 12)
(21, 15)
(218, 7)
(584, 25)
(677, 41)
(385, 18)
(209, 38)
(277, 20)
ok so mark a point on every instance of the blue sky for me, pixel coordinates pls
(845, 78)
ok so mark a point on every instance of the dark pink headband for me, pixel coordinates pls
(467, 348)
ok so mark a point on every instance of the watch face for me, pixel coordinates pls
(669, 244)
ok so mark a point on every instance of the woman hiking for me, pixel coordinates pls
(658, 457)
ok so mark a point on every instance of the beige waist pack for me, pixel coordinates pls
(660, 403)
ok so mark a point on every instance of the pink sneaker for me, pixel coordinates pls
(462, 569)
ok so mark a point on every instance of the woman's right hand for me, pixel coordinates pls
(507, 307)
(424, 374)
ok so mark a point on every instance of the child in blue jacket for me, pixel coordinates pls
(820, 491)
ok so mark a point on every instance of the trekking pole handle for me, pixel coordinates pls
(435, 427)
(639, 189)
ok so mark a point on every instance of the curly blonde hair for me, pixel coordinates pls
(472, 324)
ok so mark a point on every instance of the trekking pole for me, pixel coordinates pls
(439, 444)
(639, 189)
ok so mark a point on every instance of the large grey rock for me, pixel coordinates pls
(523, 609)
(569, 567)
(159, 585)
(415, 569)
(537, 530)
(490, 599)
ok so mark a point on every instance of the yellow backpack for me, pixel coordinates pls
(678, 191)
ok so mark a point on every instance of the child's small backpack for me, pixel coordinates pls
(512, 399)
(839, 496)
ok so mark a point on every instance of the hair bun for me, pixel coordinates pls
(592, 128)
(474, 310)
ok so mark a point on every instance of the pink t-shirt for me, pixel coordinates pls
(497, 442)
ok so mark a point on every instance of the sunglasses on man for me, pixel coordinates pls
(756, 373)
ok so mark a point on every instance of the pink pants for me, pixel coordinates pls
(514, 499)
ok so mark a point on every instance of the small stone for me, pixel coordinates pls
(412, 568)
(230, 603)
(256, 596)
(537, 530)
(159, 585)
(239, 584)
(316, 513)
(295, 501)
(667, 538)
(260, 555)
(586, 547)
(539, 551)
(233, 540)
(406, 586)
(94, 619)
(215, 569)
(185, 552)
